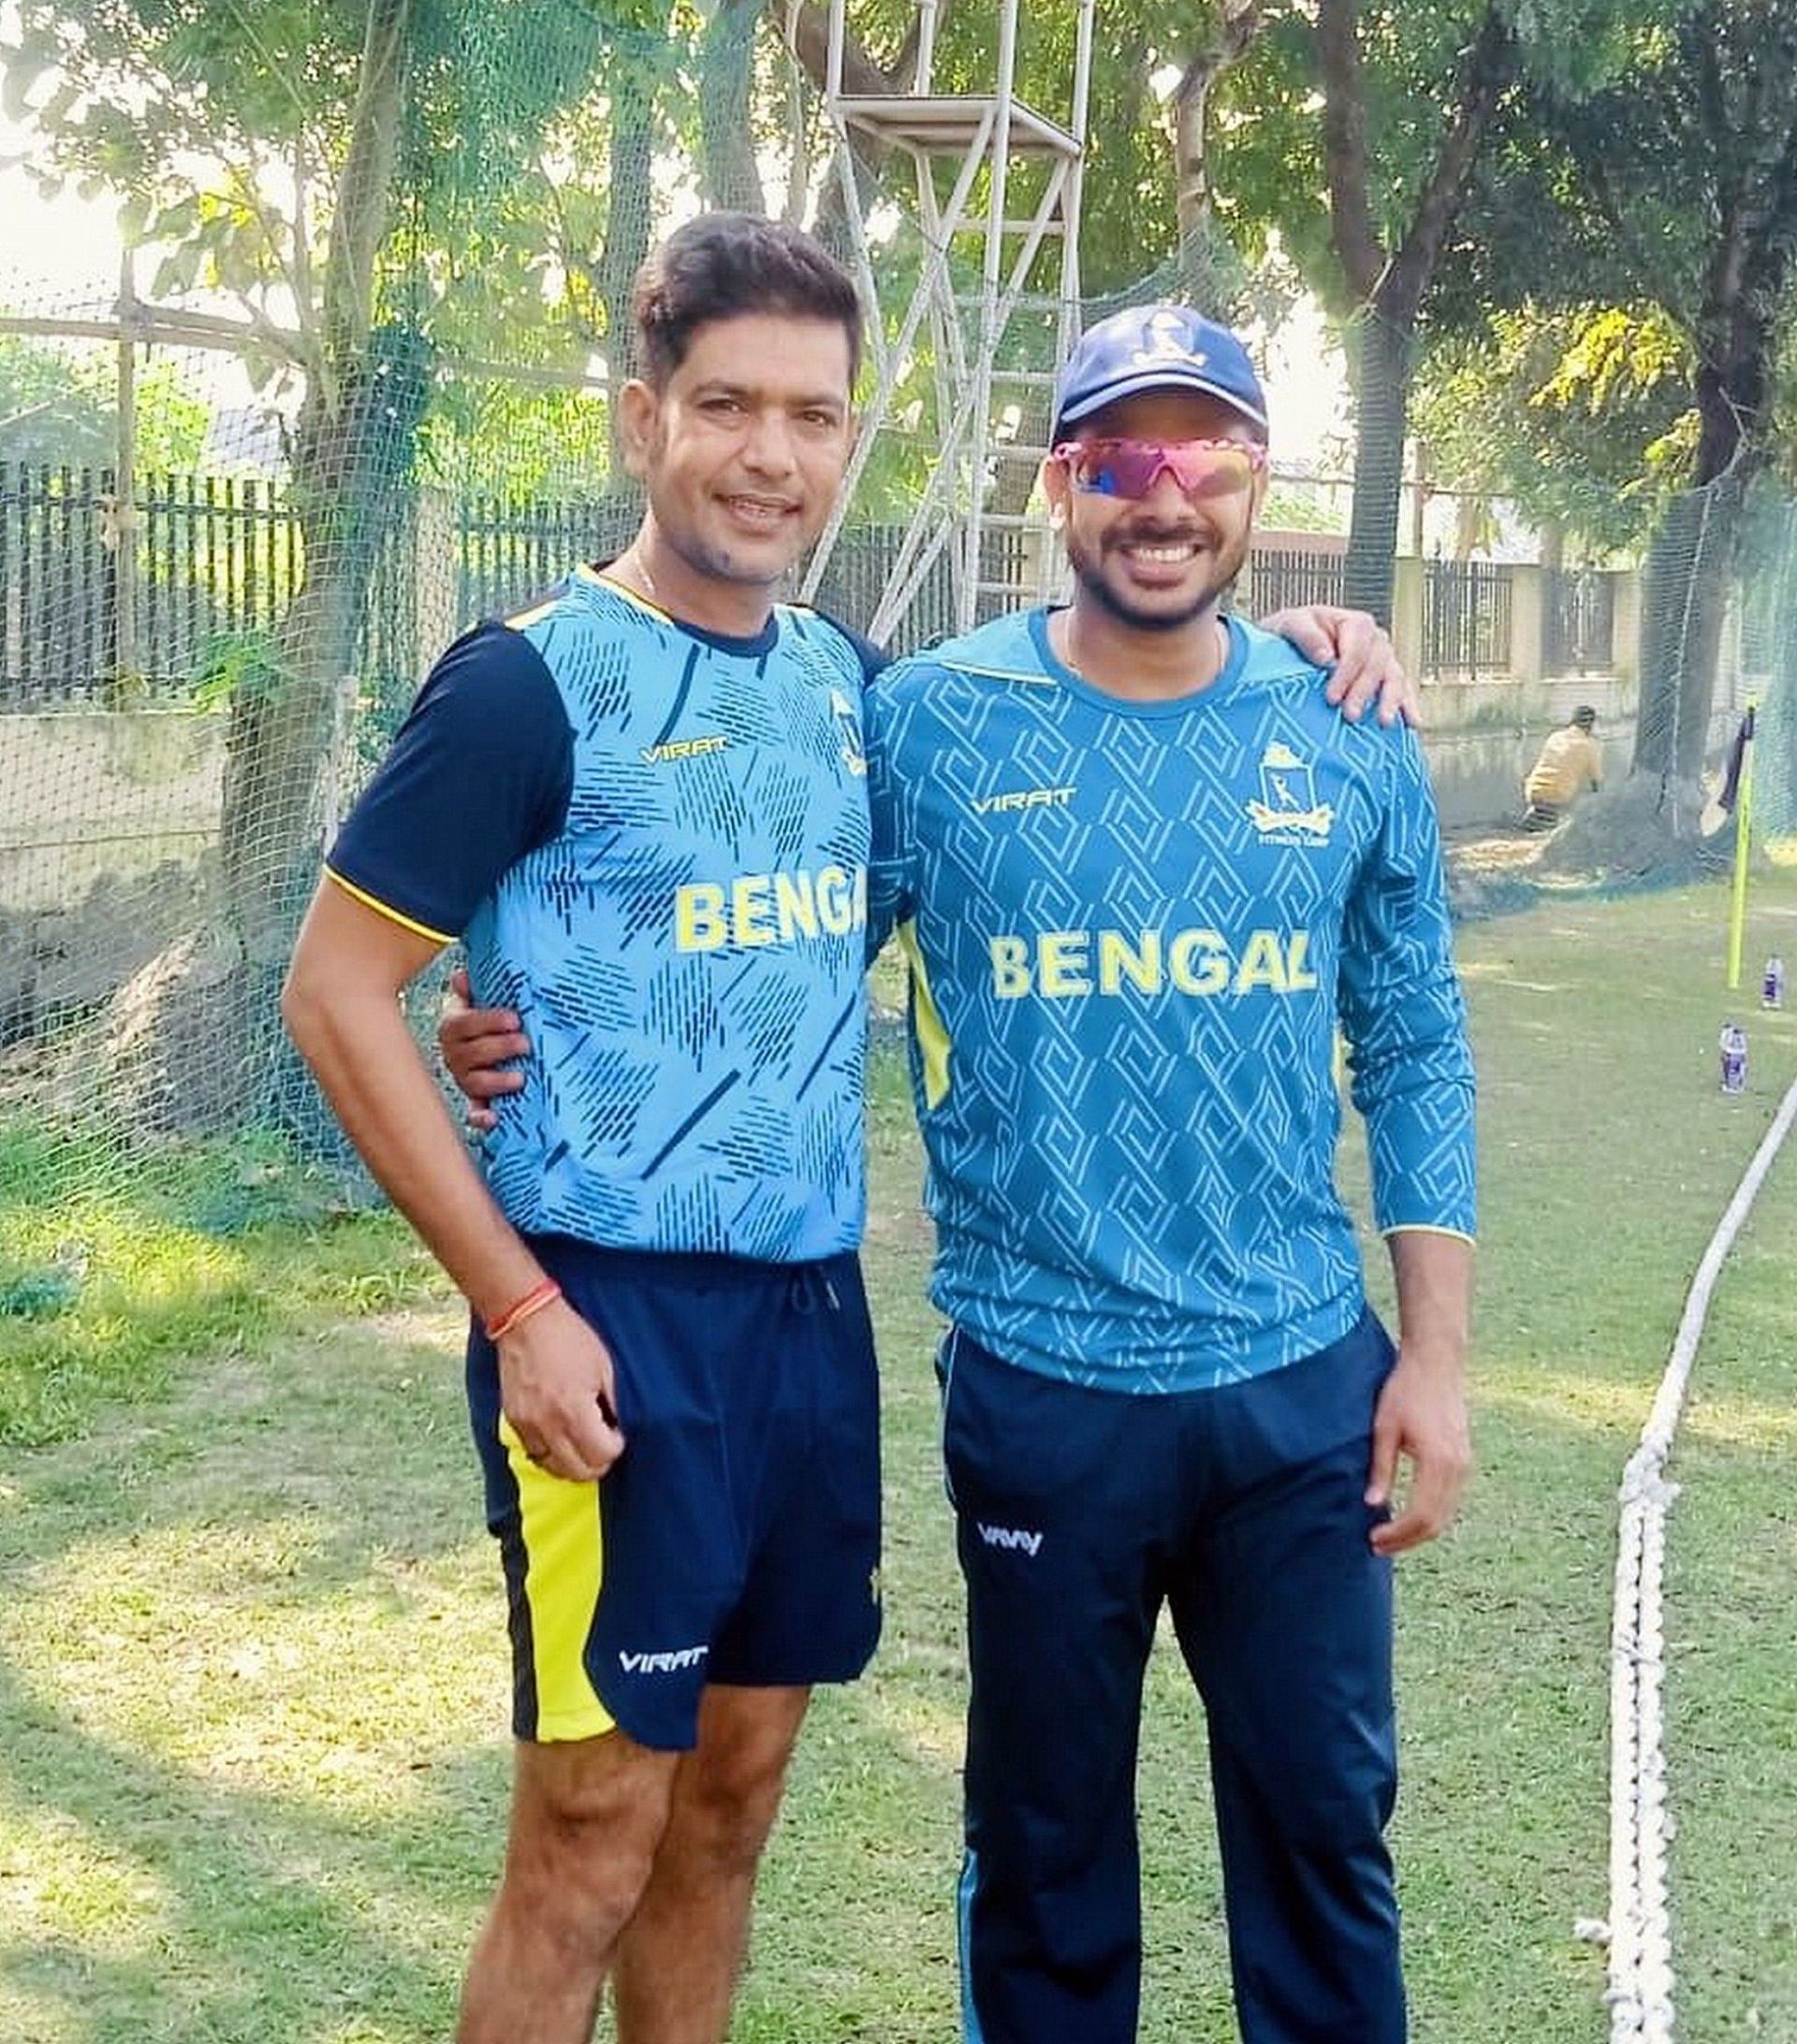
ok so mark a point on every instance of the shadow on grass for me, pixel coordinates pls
(250, 1912)
(272, 1917)
(204, 1896)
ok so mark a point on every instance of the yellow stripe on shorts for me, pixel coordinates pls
(563, 1568)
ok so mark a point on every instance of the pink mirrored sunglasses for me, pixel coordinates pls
(1130, 468)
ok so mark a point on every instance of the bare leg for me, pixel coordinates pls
(679, 1959)
(587, 1818)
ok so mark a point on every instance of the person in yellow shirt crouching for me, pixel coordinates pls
(1570, 761)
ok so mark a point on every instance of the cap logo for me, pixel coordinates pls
(1167, 343)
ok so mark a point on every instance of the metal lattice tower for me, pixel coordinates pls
(994, 346)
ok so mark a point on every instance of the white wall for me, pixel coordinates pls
(87, 793)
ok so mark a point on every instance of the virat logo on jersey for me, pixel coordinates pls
(1288, 811)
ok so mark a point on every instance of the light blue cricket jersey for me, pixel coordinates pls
(654, 841)
(1132, 927)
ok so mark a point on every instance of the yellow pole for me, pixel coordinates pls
(1743, 834)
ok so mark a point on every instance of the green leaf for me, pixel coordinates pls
(178, 271)
(19, 73)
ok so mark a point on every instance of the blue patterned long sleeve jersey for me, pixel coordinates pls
(1132, 927)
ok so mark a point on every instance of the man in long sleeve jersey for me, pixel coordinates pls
(1141, 868)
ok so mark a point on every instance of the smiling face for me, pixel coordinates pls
(742, 447)
(1158, 563)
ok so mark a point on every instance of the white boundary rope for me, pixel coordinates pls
(1640, 1996)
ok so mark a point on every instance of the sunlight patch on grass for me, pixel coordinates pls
(932, 1733)
(70, 1885)
(1735, 1421)
(1498, 972)
(1599, 1403)
(230, 1652)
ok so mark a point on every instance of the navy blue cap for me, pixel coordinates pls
(1157, 347)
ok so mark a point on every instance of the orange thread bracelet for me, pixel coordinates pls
(533, 1301)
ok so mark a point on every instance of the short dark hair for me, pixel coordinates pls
(724, 264)
(1585, 715)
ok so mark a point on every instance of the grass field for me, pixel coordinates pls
(253, 1764)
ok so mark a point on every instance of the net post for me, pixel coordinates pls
(1743, 835)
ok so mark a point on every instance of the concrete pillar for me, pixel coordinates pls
(1528, 622)
(1407, 612)
(1624, 625)
(434, 575)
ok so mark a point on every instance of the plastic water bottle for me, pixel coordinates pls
(1733, 1042)
(1771, 987)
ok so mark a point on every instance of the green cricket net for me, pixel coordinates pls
(349, 394)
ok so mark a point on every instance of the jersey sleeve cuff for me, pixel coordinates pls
(1426, 1227)
(387, 909)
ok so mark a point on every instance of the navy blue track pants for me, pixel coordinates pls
(1080, 1512)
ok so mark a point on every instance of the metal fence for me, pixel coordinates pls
(216, 558)
(1578, 621)
(1279, 577)
(861, 565)
(78, 622)
(509, 550)
(58, 588)
(1466, 618)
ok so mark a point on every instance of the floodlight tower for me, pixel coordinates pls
(1029, 277)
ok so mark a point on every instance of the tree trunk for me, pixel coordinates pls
(1391, 289)
(1383, 358)
(1685, 598)
(352, 463)
(628, 227)
(1691, 564)
(730, 176)
(1553, 547)
(364, 199)
(352, 448)
(1237, 23)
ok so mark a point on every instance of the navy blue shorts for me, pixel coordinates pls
(737, 1539)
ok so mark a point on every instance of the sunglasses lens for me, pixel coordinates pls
(1112, 470)
(1136, 469)
(1210, 469)
(1128, 468)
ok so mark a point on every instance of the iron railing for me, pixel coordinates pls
(1578, 621)
(1466, 618)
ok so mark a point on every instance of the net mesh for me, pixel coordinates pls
(352, 396)
(1759, 660)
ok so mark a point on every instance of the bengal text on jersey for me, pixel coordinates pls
(1062, 964)
(770, 908)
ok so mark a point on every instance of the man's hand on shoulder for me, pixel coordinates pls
(1360, 651)
(475, 1045)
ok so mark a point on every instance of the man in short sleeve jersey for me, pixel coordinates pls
(1140, 869)
(642, 807)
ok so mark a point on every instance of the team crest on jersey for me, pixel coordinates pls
(848, 726)
(1288, 811)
